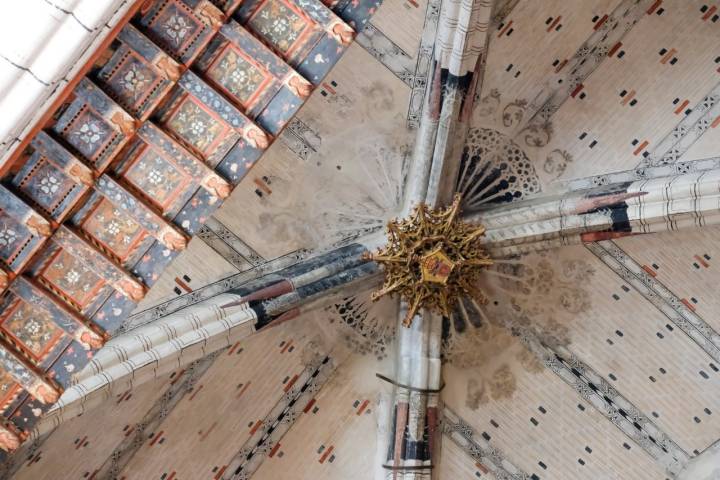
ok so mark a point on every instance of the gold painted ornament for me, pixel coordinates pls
(431, 259)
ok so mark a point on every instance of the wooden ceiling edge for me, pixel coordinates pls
(99, 48)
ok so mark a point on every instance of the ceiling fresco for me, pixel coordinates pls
(245, 150)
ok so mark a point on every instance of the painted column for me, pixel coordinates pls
(669, 203)
(192, 333)
(457, 71)
(408, 445)
(410, 438)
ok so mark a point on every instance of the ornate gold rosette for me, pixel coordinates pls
(432, 258)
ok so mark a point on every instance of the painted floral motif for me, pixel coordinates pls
(88, 134)
(177, 28)
(196, 126)
(280, 25)
(134, 81)
(545, 294)
(73, 277)
(556, 162)
(238, 76)
(49, 184)
(156, 177)
(34, 328)
(7, 235)
(11, 235)
(114, 228)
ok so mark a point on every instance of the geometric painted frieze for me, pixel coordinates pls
(212, 128)
(164, 173)
(121, 226)
(94, 126)
(52, 179)
(305, 33)
(22, 232)
(138, 73)
(256, 80)
(181, 27)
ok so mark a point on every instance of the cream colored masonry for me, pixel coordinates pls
(680, 202)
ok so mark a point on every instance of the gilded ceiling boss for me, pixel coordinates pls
(432, 258)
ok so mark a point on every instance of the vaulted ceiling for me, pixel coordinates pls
(626, 387)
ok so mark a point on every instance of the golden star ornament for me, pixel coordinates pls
(431, 259)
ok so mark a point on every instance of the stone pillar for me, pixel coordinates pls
(194, 332)
(408, 442)
(666, 203)
(457, 71)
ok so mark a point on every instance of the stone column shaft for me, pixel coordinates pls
(676, 202)
(184, 336)
(456, 73)
(408, 441)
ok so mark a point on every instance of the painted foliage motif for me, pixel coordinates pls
(156, 177)
(279, 24)
(34, 328)
(238, 76)
(114, 228)
(12, 235)
(73, 278)
(196, 126)
(89, 133)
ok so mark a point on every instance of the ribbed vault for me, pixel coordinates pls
(583, 137)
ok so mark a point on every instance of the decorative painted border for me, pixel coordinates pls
(610, 403)
(387, 52)
(155, 416)
(295, 137)
(423, 63)
(464, 436)
(279, 420)
(658, 295)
